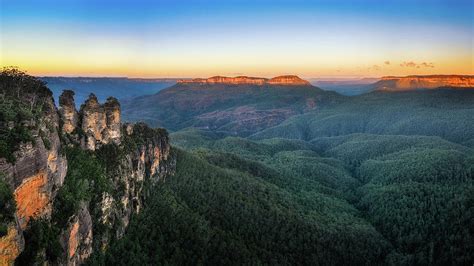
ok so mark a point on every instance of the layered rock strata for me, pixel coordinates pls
(280, 80)
(425, 82)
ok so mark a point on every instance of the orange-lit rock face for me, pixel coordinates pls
(73, 240)
(288, 80)
(228, 80)
(31, 198)
(9, 247)
(77, 239)
(155, 160)
(280, 80)
(430, 82)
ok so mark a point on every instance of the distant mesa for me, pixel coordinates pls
(280, 80)
(392, 83)
(288, 80)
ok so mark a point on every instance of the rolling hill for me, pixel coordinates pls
(445, 113)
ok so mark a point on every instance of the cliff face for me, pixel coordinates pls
(148, 161)
(227, 80)
(288, 80)
(38, 171)
(39, 168)
(77, 239)
(280, 80)
(425, 82)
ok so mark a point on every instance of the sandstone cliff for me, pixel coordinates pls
(288, 80)
(37, 169)
(280, 80)
(424, 82)
(76, 240)
(100, 123)
(67, 110)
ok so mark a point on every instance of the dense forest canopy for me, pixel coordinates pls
(385, 178)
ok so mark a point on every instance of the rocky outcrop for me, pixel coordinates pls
(424, 82)
(67, 110)
(280, 80)
(95, 125)
(152, 156)
(93, 122)
(112, 132)
(38, 170)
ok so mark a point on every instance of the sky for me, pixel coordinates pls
(144, 38)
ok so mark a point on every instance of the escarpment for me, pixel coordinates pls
(31, 163)
(49, 188)
(280, 80)
(424, 82)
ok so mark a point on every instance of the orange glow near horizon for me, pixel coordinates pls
(166, 39)
(64, 67)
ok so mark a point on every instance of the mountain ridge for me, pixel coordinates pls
(278, 80)
(239, 108)
(413, 82)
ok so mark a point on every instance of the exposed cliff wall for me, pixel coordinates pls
(77, 239)
(35, 166)
(288, 80)
(143, 159)
(425, 82)
(280, 80)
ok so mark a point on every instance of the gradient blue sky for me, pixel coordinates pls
(258, 38)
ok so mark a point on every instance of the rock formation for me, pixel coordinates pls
(112, 132)
(67, 110)
(288, 80)
(39, 170)
(99, 123)
(280, 80)
(424, 82)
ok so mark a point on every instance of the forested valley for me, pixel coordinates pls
(386, 178)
